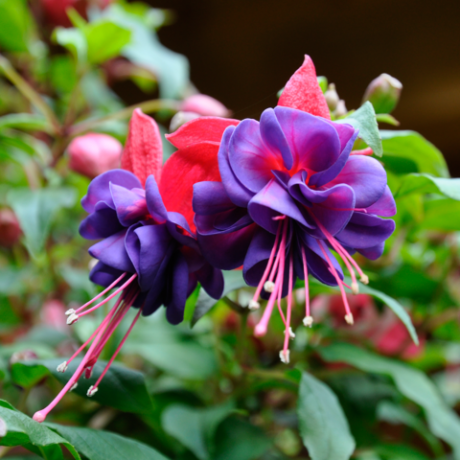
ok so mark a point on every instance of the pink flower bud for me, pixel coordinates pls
(204, 105)
(10, 231)
(331, 96)
(93, 154)
(383, 92)
(53, 314)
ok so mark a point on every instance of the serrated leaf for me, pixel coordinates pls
(412, 383)
(365, 120)
(25, 121)
(426, 183)
(322, 423)
(23, 431)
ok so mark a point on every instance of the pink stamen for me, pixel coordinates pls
(366, 151)
(289, 307)
(307, 287)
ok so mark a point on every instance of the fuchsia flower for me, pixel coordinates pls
(147, 251)
(289, 194)
(94, 154)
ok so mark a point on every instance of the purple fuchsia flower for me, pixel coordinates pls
(147, 251)
(290, 194)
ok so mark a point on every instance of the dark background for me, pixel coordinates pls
(243, 51)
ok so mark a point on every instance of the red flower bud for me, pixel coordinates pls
(93, 154)
(10, 231)
(383, 92)
(204, 105)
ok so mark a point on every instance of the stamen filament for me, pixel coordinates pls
(287, 335)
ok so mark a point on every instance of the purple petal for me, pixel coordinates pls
(104, 275)
(212, 280)
(273, 137)
(223, 222)
(239, 194)
(179, 229)
(129, 204)
(99, 188)
(210, 198)
(111, 251)
(373, 253)
(153, 300)
(274, 201)
(251, 161)
(175, 305)
(384, 206)
(314, 143)
(101, 223)
(365, 231)
(367, 178)
(155, 201)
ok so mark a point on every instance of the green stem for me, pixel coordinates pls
(29, 93)
(147, 107)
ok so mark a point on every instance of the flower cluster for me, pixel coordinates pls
(277, 197)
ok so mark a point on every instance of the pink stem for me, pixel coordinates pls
(289, 306)
(307, 287)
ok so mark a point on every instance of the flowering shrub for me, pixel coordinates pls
(159, 338)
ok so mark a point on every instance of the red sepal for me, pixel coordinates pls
(302, 91)
(183, 169)
(203, 129)
(143, 153)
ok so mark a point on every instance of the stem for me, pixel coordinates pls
(29, 92)
(147, 107)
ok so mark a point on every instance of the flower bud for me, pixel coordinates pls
(383, 92)
(180, 118)
(93, 154)
(53, 314)
(205, 106)
(25, 355)
(341, 109)
(10, 231)
(331, 96)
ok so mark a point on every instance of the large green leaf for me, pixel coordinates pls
(102, 445)
(322, 423)
(23, 431)
(364, 119)
(36, 209)
(411, 146)
(411, 382)
(15, 23)
(442, 215)
(426, 183)
(121, 388)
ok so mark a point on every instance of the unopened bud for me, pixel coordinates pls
(91, 391)
(253, 305)
(205, 106)
(94, 154)
(341, 109)
(73, 318)
(284, 356)
(331, 96)
(62, 367)
(349, 318)
(10, 230)
(355, 287)
(383, 92)
(269, 286)
(308, 321)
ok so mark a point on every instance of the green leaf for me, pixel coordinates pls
(441, 215)
(426, 183)
(15, 24)
(409, 145)
(322, 423)
(120, 388)
(36, 209)
(322, 82)
(191, 304)
(73, 40)
(103, 445)
(63, 73)
(195, 428)
(364, 119)
(412, 383)
(105, 40)
(23, 431)
(232, 280)
(25, 121)
(387, 118)
(399, 452)
(145, 50)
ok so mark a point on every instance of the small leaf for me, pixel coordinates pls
(103, 445)
(412, 383)
(322, 423)
(25, 121)
(426, 183)
(15, 24)
(23, 431)
(387, 118)
(364, 119)
(36, 209)
(73, 40)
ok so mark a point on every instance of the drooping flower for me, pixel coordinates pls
(290, 193)
(147, 251)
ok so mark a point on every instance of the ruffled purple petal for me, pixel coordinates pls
(373, 253)
(103, 275)
(155, 203)
(210, 198)
(99, 188)
(111, 251)
(367, 178)
(179, 279)
(314, 143)
(179, 229)
(130, 205)
(385, 206)
(211, 279)
(101, 223)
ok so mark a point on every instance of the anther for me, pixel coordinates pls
(75, 385)
(364, 279)
(92, 391)
(70, 311)
(291, 333)
(308, 321)
(355, 287)
(62, 367)
(284, 356)
(73, 318)
(253, 305)
(349, 318)
(269, 286)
